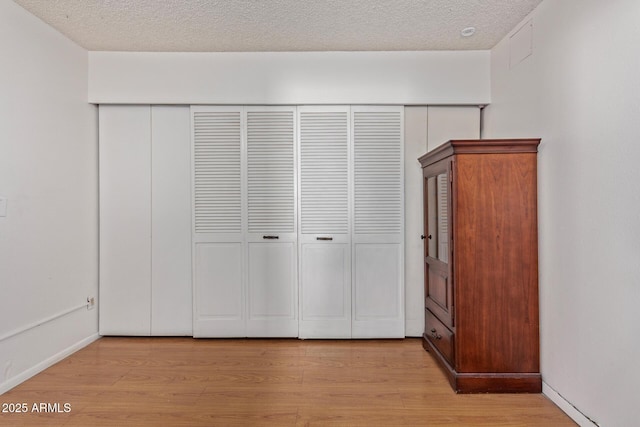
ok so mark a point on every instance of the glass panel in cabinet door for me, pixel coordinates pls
(432, 217)
(442, 239)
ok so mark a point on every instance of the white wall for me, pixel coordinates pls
(48, 173)
(290, 78)
(579, 91)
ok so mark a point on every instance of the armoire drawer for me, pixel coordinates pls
(440, 336)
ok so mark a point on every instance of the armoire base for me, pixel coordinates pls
(485, 382)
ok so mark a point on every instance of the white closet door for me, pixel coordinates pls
(378, 235)
(324, 238)
(125, 220)
(171, 296)
(435, 125)
(447, 123)
(272, 291)
(218, 249)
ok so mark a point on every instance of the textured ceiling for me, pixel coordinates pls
(280, 25)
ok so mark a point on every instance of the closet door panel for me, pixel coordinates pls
(218, 222)
(219, 302)
(435, 125)
(378, 171)
(272, 303)
(171, 296)
(271, 184)
(325, 244)
(217, 170)
(125, 220)
(447, 123)
(378, 230)
(324, 170)
(415, 145)
(378, 297)
(271, 238)
(326, 292)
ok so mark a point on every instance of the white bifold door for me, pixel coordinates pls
(378, 222)
(325, 222)
(351, 222)
(244, 222)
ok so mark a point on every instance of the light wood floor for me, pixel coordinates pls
(188, 382)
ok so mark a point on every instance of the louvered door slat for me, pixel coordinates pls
(217, 172)
(324, 169)
(377, 172)
(270, 171)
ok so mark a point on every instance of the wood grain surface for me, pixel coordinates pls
(188, 382)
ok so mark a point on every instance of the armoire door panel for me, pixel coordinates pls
(438, 281)
(439, 291)
(438, 288)
(218, 290)
(325, 300)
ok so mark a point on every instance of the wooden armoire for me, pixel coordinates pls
(481, 264)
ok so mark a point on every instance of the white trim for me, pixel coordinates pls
(42, 322)
(566, 406)
(295, 78)
(34, 370)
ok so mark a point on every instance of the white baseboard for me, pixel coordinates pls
(566, 406)
(25, 375)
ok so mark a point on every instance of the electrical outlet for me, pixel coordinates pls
(91, 302)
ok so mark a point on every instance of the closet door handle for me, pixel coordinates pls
(270, 237)
(324, 238)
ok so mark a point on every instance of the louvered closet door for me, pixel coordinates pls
(272, 299)
(378, 234)
(218, 212)
(324, 238)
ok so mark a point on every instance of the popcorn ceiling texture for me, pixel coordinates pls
(280, 25)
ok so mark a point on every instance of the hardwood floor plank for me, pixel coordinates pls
(263, 382)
